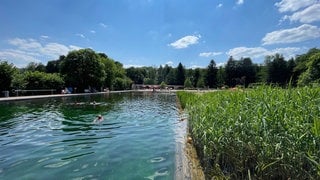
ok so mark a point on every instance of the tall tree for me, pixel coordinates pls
(109, 69)
(83, 69)
(180, 75)
(33, 66)
(277, 70)
(171, 77)
(211, 76)
(6, 75)
(231, 71)
(54, 66)
(137, 75)
(196, 77)
(247, 72)
(221, 76)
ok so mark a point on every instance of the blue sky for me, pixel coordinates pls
(158, 32)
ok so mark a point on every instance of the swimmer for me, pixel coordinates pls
(99, 118)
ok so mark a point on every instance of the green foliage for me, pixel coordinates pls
(180, 75)
(267, 133)
(137, 75)
(109, 69)
(148, 81)
(83, 69)
(19, 81)
(211, 76)
(163, 85)
(200, 83)
(242, 72)
(187, 83)
(54, 66)
(6, 75)
(312, 74)
(40, 80)
(171, 77)
(277, 68)
(122, 83)
(32, 66)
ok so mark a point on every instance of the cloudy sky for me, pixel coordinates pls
(158, 32)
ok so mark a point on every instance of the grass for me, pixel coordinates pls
(265, 133)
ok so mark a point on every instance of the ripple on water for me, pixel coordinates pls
(161, 172)
(57, 165)
(157, 159)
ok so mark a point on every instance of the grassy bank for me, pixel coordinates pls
(266, 133)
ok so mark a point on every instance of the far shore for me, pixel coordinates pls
(18, 98)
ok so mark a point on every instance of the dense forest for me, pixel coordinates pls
(87, 69)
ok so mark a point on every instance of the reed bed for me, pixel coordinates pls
(265, 133)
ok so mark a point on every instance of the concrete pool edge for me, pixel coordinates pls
(187, 164)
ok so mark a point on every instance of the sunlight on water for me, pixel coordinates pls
(59, 138)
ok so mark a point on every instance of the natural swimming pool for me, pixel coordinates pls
(56, 138)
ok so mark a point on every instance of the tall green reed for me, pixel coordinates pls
(267, 132)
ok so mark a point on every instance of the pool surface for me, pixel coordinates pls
(58, 138)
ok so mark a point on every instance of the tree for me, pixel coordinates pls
(171, 77)
(54, 66)
(42, 80)
(247, 71)
(32, 66)
(163, 85)
(231, 72)
(221, 76)
(187, 83)
(211, 76)
(277, 70)
(137, 75)
(180, 75)
(6, 75)
(121, 80)
(312, 74)
(109, 69)
(196, 77)
(83, 69)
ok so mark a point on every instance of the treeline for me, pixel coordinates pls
(300, 71)
(87, 69)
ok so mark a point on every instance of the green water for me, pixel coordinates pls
(57, 138)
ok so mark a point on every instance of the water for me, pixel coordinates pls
(57, 138)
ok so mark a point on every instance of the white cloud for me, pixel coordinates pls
(308, 15)
(81, 35)
(25, 51)
(25, 44)
(44, 37)
(219, 5)
(17, 57)
(293, 5)
(260, 52)
(209, 54)
(132, 65)
(255, 52)
(298, 34)
(185, 42)
(239, 2)
(288, 52)
(93, 31)
(103, 25)
(169, 63)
